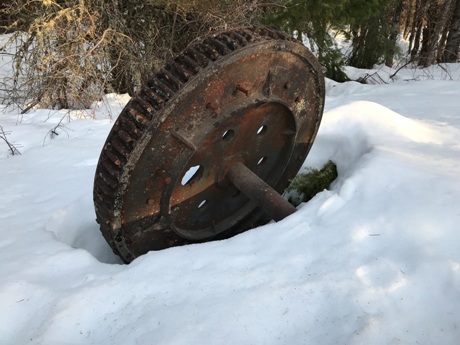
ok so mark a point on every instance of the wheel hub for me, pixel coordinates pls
(203, 202)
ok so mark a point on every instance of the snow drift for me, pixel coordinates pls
(373, 260)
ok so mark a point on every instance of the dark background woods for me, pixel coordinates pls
(68, 53)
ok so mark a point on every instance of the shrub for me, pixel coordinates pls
(68, 53)
(305, 186)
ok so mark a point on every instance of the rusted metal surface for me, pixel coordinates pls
(247, 100)
(265, 197)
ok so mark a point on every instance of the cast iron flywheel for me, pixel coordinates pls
(202, 151)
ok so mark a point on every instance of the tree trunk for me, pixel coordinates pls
(420, 10)
(359, 39)
(409, 5)
(437, 17)
(394, 30)
(445, 31)
(453, 39)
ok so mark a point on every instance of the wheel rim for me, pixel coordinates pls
(259, 104)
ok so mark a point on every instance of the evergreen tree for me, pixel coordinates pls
(315, 19)
(372, 32)
(368, 24)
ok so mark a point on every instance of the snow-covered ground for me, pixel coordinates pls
(373, 260)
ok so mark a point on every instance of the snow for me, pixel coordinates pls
(373, 260)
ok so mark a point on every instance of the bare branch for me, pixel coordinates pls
(400, 68)
(13, 149)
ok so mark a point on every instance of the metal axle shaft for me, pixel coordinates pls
(260, 192)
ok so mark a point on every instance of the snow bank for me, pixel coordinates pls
(373, 260)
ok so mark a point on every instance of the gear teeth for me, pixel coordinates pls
(171, 79)
(115, 158)
(160, 89)
(196, 55)
(144, 107)
(219, 46)
(105, 188)
(104, 213)
(129, 126)
(189, 64)
(126, 138)
(104, 207)
(140, 120)
(229, 42)
(111, 168)
(152, 98)
(235, 36)
(276, 35)
(209, 52)
(119, 147)
(143, 115)
(106, 177)
(248, 35)
(181, 73)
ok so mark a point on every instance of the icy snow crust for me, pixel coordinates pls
(373, 260)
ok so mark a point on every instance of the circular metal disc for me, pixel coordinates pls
(251, 96)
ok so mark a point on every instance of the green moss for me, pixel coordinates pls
(305, 186)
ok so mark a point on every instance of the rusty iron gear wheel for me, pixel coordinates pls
(239, 106)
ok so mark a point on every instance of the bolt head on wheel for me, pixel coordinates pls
(247, 96)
